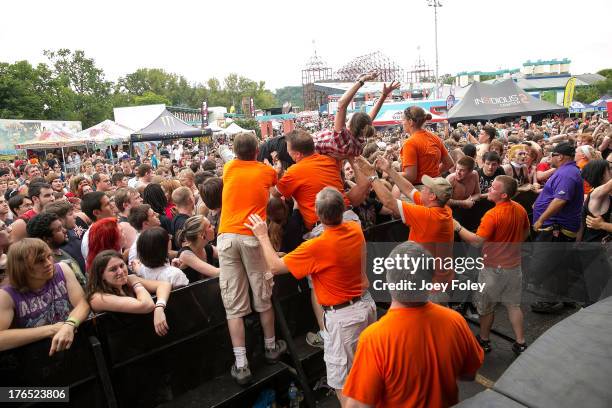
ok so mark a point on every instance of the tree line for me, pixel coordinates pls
(72, 87)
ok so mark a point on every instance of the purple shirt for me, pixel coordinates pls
(50, 304)
(565, 184)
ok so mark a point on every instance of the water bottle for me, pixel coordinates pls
(295, 396)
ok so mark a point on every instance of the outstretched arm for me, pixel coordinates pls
(385, 92)
(343, 103)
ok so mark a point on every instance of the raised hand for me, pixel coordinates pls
(383, 164)
(365, 167)
(368, 76)
(392, 87)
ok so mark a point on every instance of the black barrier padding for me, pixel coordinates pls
(191, 310)
(196, 349)
(570, 365)
(31, 365)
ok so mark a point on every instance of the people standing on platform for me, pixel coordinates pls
(423, 152)
(339, 282)
(246, 190)
(501, 232)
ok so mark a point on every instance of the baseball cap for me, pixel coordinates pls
(565, 149)
(439, 186)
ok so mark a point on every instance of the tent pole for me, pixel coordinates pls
(63, 159)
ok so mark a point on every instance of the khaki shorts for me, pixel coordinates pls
(342, 330)
(242, 263)
(502, 285)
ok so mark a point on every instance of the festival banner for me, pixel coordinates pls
(568, 95)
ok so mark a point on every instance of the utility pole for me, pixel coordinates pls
(435, 4)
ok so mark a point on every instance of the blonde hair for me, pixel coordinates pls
(515, 149)
(22, 255)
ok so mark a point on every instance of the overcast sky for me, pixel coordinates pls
(272, 40)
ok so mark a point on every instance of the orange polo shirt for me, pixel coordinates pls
(503, 227)
(433, 228)
(306, 178)
(334, 260)
(412, 357)
(424, 150)
(246, 191)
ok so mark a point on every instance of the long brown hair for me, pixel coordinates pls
(276, 214)
(96, 283)
(361, 125)
(22, 255)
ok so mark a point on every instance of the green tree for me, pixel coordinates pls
(586, 94)
(150, 98)
(92, 101)
(292, 94)
(606, 72)
(249, 124)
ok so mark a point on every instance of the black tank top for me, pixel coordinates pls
(520, 177)
(593, 235)
(191, 273)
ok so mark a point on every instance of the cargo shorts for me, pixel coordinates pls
(342, 330)
(241, 264)
(502, 285)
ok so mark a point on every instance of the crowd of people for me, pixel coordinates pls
(100, 234)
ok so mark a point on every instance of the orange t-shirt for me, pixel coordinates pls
(433, 228)
(586, 186)
(305, 179)
(246, 191)
(412, 357)
(425, 151)
(504, 223)
(334, 260)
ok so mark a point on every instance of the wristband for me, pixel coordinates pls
(160, 303)
(74, 321)
(459, 230)
(361, 82)
(137, 284)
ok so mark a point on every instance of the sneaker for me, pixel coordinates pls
(314, 339)
(242, 375)
(273, 355)
(485, 344)
(546, 307)
(518, 348)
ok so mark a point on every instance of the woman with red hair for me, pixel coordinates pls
(103, 234)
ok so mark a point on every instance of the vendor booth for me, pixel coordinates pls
(504, 99)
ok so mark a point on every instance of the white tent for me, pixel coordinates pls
(105, 133)
(234, 129)
(214, 128)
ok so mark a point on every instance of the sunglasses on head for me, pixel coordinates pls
(555, 154)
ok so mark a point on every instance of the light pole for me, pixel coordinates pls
(435, 4)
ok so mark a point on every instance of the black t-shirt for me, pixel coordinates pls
(178, 221)
(275, 144)
(486, 181)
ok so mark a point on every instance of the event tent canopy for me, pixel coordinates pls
(234, 129)
(51, 139)
(167, 126)
(491, 101)
(602, 103)
(107, 132)
(394, 117)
